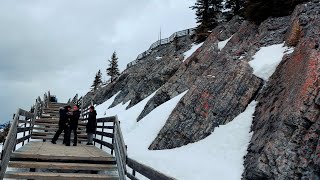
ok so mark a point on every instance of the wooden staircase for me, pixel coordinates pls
(44, 160)
(46, 127)
(28, 153)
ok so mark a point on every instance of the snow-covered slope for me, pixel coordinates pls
(219, 156)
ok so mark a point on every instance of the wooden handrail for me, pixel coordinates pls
(146, 171)
(11, 139)
(120, 150)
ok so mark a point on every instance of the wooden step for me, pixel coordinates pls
(56, 121)
(80, 135)
(64, 166)
(20, 156)
(60, 176)
(50, 116)
(51, 109)
(60, 137)
(55, 125)
(54, 129)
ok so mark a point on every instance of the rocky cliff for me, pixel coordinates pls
(285, 143)
(221, 84)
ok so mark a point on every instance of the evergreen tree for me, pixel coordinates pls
(207, 12)
(236, 6)
(97, 81)
(259, 10)
(113, 70)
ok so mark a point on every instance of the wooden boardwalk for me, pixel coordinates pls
(29, 154)
(60, 152)
(54, 159)
(40, 159)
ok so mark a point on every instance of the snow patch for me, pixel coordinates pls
(191, 51)
(220, 154)
(266, 60)
(158, 58)
(222, 44)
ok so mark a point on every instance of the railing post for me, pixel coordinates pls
(102, 135)
(24, 132)
(114, 124)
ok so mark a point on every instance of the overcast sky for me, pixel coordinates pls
(59, 45)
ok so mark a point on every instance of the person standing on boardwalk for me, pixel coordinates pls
(74, 125)
(91, 125)
(63, 124)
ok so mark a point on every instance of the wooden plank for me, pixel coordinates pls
(25, 113)
(23, 129)
(17, 155)
(35, 133)
(132, 177)
(106, 134)
(24, 121)
(106, 119)
(20, 140)
(147, 171)
(109, 145)
(9, 145)
(53, 125)
(60, 176)
(60, 137)
(64, 166)
(105, 127)
(53, 129)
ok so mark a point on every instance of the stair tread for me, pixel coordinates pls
(55, 124)
(82, 129)
(57, 165)
(35, 133)
(16, 155)
(49, 137)
(60, 176)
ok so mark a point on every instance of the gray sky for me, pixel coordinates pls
(59, 45)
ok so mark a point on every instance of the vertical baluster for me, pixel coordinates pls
(102, 135)
(24, 132)
(113, 137)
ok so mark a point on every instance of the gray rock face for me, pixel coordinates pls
(193, 67)
(285, 143)
(224, 89)
(144, 78)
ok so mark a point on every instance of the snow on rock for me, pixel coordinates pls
(127, 117)
(222, 44)
(191, 51)
(220, 154)
(266, 60)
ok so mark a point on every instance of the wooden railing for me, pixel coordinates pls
(118, 148)
(162, 42)
(22, 123)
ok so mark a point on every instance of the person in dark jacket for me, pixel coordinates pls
(74, 119)
(63, 124)
(91, 125)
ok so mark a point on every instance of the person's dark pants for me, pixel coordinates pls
(61, 128)
(75, 135)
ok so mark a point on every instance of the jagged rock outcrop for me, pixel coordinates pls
(286, 139)
(225, 89)
(193, 67)
(142, 79)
